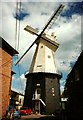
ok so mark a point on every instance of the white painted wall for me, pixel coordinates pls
(43, 60)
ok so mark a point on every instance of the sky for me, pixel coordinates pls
(67, 28)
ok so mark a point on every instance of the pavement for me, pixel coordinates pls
(37, 117)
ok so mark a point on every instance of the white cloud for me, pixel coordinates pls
(19, 83)
(62, 81)
(23, 77)
(62, 89)
(69, 37)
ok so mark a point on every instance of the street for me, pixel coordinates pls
(37, 117)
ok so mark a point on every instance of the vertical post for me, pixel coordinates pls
(39, 106)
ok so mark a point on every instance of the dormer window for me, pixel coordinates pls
(49, 56)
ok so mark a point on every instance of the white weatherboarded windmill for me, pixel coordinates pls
(42, 92)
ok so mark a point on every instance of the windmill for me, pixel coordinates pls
(42, 92)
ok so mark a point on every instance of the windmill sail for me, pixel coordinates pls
(33, 31)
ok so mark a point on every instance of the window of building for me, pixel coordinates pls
(39, 65)
(42, 46)
(49, 56)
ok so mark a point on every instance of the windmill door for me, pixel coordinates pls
(36, 100)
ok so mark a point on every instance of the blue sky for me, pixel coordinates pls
(67, 29)
(74, 8)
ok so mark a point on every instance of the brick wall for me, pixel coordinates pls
(0, 85)
(5, 78)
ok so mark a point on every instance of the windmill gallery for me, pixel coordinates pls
(42, 92)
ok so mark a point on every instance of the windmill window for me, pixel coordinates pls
(49, 56)
(41, 46)
(52, 89)
(20, 100)
(38, 84)
(77, 79)
(39, 65)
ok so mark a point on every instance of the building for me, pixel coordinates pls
(74, 91)
(16, 99)
(42, 92)
(63, 101)
(6, 53)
